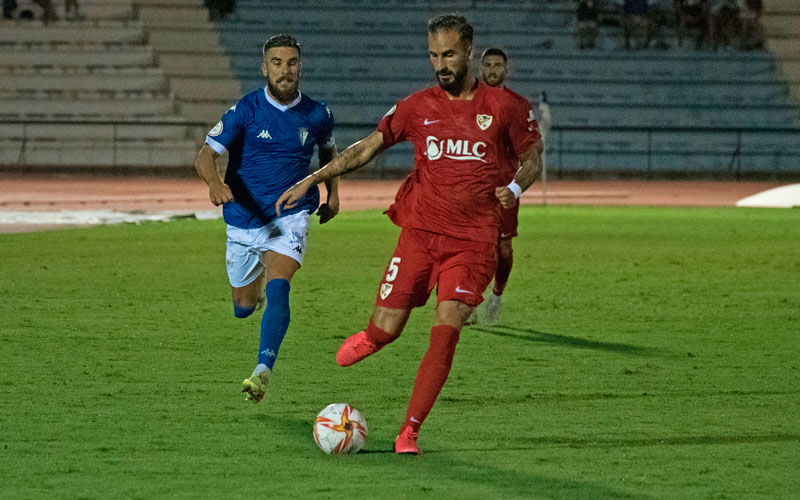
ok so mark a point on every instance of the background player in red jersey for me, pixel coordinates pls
(448, 207)
(494, 68)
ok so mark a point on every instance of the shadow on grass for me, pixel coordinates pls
(437, 470)
(532, 335)
(537, 443)
(507, 482)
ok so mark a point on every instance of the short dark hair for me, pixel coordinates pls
(281, 40)
(451, 22)
(494, 51)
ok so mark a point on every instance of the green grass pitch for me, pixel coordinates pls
(642, 353)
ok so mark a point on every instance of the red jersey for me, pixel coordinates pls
(461, 154)
(512, 159)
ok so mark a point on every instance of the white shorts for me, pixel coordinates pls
(244, 248)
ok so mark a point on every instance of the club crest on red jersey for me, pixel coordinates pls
(484, 121)
(386, 289)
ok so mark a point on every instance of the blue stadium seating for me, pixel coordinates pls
(361, 64)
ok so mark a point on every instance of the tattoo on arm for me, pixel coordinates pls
(326, 155)
(352, 158)
(530, 166)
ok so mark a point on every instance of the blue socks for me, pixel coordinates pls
(275, 321)
(242, 312)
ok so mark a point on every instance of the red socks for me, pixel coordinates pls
(378, 336)
(432, 374)
(502, 273)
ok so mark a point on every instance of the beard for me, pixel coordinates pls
(287, 93)
(455, 85)
(493, 79)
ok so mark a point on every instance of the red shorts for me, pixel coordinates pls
(509, 219)
(461, 270)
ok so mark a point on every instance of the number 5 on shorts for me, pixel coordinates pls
(393, 269)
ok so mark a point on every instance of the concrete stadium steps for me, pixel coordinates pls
(98, 108)
(693, 103)
(547, 65)
(438, 5)
(392, 18)
(700, 162)
(87, 57)
(782, 25)
(97, 92)
(207, 111)
(601, 92)
(187, 48)
(34, 34)
(165, 143)
(675, 151)
(361, 64)
(778, 7)
(78, 153)
(222, 89)
(102, 10)
(174, 129)
(167, 15)
(104, 79)
(245, 38)
(620, 116)
(193, 63)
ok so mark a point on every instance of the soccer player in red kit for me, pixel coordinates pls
(448, 207)
(494, 68)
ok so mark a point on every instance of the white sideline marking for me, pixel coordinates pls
(779, 197)
(95, 217)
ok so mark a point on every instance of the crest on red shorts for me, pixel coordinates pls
(386, 289)
(484, 121)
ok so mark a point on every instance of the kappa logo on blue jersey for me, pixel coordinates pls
(264, 135)
(303, 133)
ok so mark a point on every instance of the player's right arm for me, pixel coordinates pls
(352, 158)
(218, 139)
(206, 166)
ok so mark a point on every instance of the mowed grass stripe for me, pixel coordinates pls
(641, 353)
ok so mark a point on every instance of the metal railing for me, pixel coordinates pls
(655, 150)
(643, 151)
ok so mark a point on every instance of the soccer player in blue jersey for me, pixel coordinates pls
(270, 136)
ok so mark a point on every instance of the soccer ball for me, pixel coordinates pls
(340, 428)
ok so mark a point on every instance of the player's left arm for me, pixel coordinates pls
(330, 208)
(530, 167)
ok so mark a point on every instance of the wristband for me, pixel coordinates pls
(515, 188)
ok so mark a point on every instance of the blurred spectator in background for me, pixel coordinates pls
(692, 14)
(544, 117)
(40, 10)
(72, 11)
(752, 31)
(8, 8)
(588, 13)
(658, 12)
(635, 23)
(219, 9)
(722, 22)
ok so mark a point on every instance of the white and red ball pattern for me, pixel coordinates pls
(340, 428)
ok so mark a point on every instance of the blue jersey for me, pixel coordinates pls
(269, 146)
